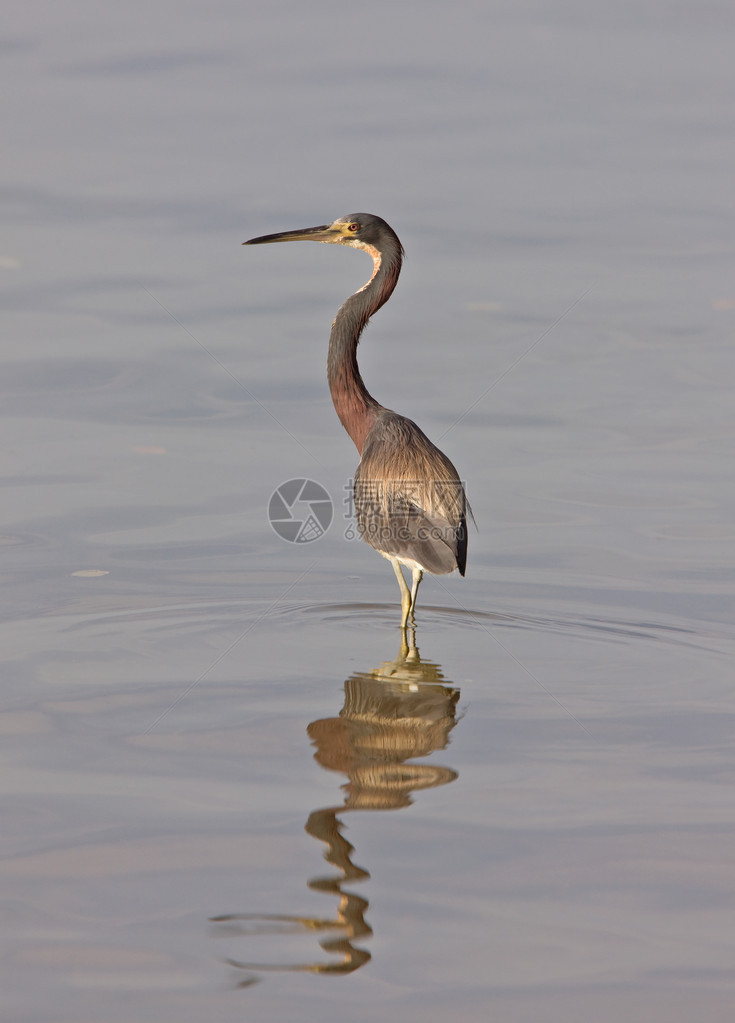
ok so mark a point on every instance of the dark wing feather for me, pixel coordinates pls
(409, 500)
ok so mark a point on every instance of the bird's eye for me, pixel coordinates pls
(353, 227)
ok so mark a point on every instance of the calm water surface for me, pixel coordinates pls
(230, 791)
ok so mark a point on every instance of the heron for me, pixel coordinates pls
(409, 501)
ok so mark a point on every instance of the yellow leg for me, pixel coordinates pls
(406, 599)
(418, 575)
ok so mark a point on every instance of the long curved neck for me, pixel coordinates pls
(355, 406)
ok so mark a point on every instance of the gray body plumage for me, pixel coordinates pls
(409, 501)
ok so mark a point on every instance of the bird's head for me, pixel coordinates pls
(359, 230)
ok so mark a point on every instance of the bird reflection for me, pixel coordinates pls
(400, 711)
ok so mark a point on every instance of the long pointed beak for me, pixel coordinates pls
(323, 233)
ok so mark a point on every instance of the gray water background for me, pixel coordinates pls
(561, 176)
